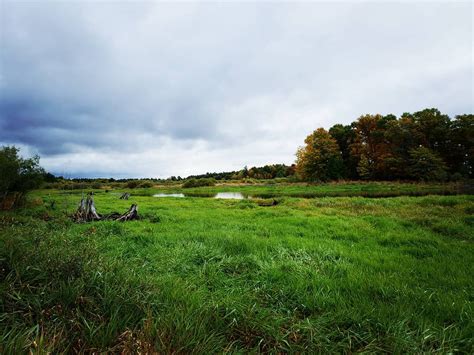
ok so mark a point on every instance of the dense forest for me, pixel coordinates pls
(425, 145)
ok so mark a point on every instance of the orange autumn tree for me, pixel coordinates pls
(423, 145)
(320, 159)
(370, 146)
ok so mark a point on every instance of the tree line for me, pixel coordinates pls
(269, 171)
(426, 145)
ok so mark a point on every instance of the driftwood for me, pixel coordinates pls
(125, 196)
(86, 212)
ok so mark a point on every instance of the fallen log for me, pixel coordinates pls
(86, 212)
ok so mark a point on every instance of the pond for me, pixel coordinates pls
(219, 195)
(230, 195)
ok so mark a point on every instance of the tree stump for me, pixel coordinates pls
(86, 212)
(125, 196)
(130, 215)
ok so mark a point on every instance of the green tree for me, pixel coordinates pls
(364, 168)
(345, 135)
(401, 137)
(18, 175)
(461, 152)
(433, 127)
(320, 159)
(426, 165)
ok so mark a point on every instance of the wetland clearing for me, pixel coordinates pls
(325, 274)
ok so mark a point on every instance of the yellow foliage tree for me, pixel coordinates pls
(320, 159)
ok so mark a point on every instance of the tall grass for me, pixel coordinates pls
(204, 275)
(332, 189)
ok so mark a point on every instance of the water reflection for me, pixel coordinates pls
(230, 195)
(220, 195)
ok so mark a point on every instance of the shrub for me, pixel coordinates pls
(17, 176)
(96, 185)
(146, 184)
(79, 186)
(132, 184)
(199, 182)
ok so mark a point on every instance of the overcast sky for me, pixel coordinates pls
(121, 89)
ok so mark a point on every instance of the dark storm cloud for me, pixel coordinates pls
(70, 82)
(184, 88)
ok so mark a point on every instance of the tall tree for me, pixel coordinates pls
(370, 143)
(320, 159)
(461, 152)
(433, 127)
(345, 135)
(401, 136)
(426, 165)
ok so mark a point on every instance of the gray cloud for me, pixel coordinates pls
(157, 89)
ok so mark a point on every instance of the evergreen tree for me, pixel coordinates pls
(426, 165)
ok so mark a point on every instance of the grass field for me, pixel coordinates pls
(334, 189)
(328, 274)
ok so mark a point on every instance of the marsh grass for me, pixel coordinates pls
(380, 189)
(346, 274)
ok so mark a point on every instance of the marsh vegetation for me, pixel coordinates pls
(327, 274)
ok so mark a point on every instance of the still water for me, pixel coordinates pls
(221, 195)
(230, 195)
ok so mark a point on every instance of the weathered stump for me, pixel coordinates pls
(130, 215)
(125, 196)
(86, 212)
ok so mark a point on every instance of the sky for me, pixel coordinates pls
(152, 89)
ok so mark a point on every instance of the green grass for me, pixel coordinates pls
(332, 189)
(332, 274)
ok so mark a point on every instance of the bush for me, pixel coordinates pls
(146, 185)
(17, 176)
(96, 185)
(199, 182)
(132, 184)
(79, 186)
